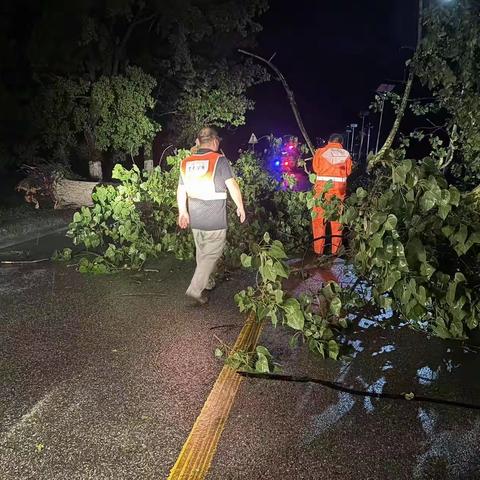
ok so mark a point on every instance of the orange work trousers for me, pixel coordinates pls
(339, 190)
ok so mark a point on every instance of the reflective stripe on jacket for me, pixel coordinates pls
(332, 162)
(198, 175)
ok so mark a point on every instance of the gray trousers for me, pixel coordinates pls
(209, 245)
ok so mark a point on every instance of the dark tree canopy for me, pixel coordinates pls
(187, 47)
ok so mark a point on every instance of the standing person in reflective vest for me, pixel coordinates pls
(205, 177)
(330, 163)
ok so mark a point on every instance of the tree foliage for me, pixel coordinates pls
(131, 221)
(86, 48)
(310, 316)
(448, 63)
(120, 103)
(416, 240)
(415, 231)
(216, 97)
(110, 113)
(138, 218)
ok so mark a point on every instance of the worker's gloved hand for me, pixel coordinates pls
(183, 220)
(241, 214)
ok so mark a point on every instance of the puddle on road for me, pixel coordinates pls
(387, 356)
(394, 350)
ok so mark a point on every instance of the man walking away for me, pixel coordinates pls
(205, 177)
(330, 163)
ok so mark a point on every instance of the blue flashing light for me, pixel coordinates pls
(277, 163)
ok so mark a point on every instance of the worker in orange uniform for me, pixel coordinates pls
(331, 163)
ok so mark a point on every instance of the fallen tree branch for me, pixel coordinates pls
(23, 262)
(393, 132)
(291, 97)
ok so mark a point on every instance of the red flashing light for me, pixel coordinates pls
(286, 164)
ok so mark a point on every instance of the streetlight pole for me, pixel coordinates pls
(349, 131)
(354, 126)
(362, 135)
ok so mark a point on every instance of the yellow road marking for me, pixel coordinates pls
(197, 452)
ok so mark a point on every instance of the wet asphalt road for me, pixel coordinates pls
(103, 377)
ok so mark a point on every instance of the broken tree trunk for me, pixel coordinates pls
(291, 97)
(73, 193)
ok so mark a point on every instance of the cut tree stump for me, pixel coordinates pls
(73, 193)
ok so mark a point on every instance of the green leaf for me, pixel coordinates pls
(268, 273)
(293, 342)
(461, 236)
(391, 222)
(333, 349)
(280, 270)
(454, 196)
(378, 219)
(261, 365)
(336, 306)
(218, 352)
(427, 201)
(361, 193)
(262, 312)
(441, 331)
(399, 175)
(443, 211)
(294, 314)
(376, 241)
(390, 280)
(278, 296)
(246, 260)
(451, 291)
(385, 302)
(264, 351)
(266, 237)
(277, 251)
(427, 270)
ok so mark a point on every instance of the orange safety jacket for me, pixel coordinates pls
(332, 162)
(198, 174)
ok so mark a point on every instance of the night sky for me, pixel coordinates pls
(334, 54)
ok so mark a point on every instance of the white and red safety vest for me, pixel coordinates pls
(198, 175)
(332, 162)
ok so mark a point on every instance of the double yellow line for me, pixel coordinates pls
(197, 452)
